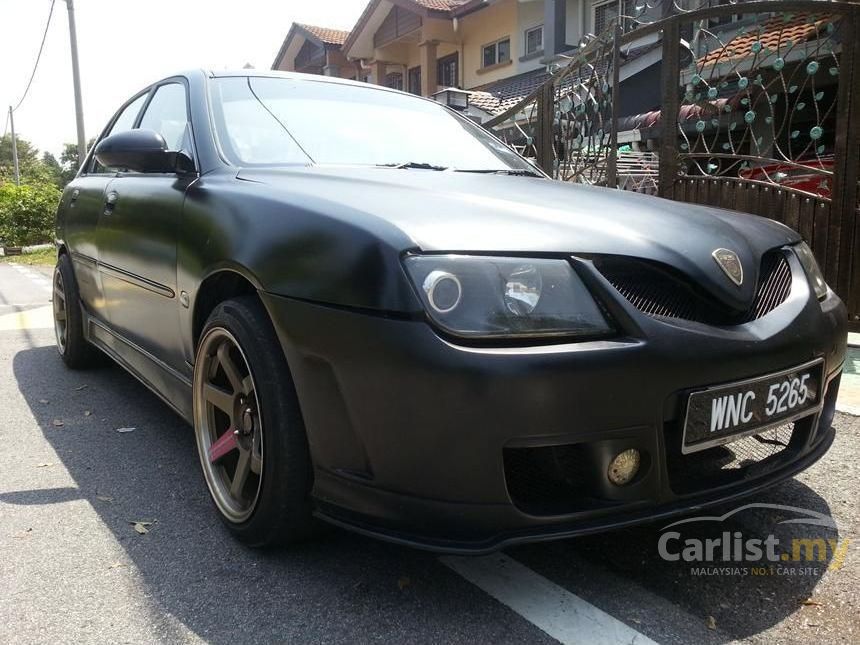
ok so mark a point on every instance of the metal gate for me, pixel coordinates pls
(760, 113)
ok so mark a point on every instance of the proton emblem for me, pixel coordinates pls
(731, 265)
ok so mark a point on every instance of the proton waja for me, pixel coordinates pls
(375, 313)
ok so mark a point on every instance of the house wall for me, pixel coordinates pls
(481, 28)
(397, 23)
(573, 27)
(409, 54)
(287, 62)
(346, 68)
(532, 12)
(405, 54)
(529, 14)
(499, 19)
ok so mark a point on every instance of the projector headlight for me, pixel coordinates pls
(813, 272)
(499, 297)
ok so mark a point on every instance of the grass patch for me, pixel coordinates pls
(44, 257)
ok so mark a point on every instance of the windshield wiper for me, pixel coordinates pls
(419, 165)
(513, 172)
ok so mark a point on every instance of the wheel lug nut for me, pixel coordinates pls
(247, 421)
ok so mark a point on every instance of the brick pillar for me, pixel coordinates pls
(428, 67)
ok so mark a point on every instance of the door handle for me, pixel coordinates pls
(110, 202)
(74, 197)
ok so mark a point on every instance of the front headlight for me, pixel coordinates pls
(499, 297)
(813, 272)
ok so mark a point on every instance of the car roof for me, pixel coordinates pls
(317, 78)
(263, 73)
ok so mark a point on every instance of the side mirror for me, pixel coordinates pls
(140, 151)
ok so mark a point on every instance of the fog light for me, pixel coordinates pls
(624, 467)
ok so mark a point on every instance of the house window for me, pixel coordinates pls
(414, 80)
(534, 40)
(606, 12)
(446, 71)
(497, 52)
(394, 81)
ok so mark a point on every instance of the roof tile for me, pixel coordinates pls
(502, 95)
(439, 5)
(775, 33)
(325, 34)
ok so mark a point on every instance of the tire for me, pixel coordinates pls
(246, 415)
(76, 352)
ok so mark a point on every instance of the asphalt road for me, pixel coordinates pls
(74, 569)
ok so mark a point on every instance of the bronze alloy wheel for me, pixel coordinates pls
(228, 425)
(60, 311)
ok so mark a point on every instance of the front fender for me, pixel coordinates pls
(292, 244)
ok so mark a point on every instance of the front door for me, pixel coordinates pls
(80, 208)
(82, 205)
(138, 229)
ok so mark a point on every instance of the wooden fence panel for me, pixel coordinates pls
(807, 215)
(792, 211)
(819, 230)
(728, 192)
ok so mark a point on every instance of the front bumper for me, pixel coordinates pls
(408, 431)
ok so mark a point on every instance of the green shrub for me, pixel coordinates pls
(27, 214)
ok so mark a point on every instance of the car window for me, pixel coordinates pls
(167, 114)
(253, 133)
(276, 121)
(126, 118)
(125, 121)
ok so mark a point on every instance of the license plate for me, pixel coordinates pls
(728, 412)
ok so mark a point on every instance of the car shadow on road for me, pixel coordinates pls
(344, 587)
(341, 588)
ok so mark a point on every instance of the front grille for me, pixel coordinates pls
(744, 459)
(774, 285)
(660, 291)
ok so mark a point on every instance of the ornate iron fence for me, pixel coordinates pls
(760, 112)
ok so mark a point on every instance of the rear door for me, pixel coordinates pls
(80, 210)
(137, 236)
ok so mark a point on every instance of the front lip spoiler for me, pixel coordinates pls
(585, 527)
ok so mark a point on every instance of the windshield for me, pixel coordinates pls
(285, 121)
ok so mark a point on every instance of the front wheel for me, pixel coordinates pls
(250, 435)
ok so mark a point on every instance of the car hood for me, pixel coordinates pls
(457, 212)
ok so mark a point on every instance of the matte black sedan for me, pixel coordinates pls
(375, 313)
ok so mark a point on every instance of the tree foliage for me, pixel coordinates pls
(27, 213)
(69, 160)
(30, 166)
(35, 169)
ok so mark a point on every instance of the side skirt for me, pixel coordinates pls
(169, 385)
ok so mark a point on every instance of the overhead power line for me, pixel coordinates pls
(38, 56)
